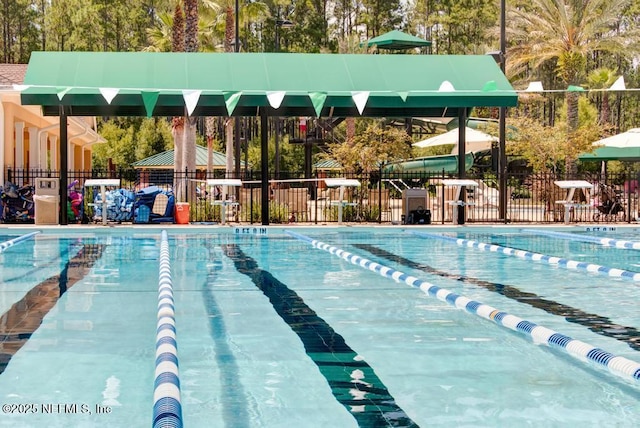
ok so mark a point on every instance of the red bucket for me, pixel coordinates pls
(182, 212)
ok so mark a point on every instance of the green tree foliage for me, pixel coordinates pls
(559, 42)
(346, 14)
(380, 16)
(602, 78)
(373, 146)
(291, 155)
(131, 139)
(565, 34)
(544, 147)
(159, 36)
(96, 25)
(455, 26)
(311, 30)
(20, 33)
(540, 145)
(123, 24)
(121, 135)
(154, 136)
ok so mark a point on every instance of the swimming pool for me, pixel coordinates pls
(273, 329)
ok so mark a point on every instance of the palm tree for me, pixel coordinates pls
(214, 24)
(160, 35)
(177, 126)
(229, 46)
(602, 78)
(190, 45)
(565, 34)
(258, 11)
(350, 44)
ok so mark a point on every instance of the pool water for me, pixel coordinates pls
(273, 332)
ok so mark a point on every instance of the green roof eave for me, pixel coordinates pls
(240, 84)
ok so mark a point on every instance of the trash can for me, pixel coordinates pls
(47, 201)
(182, 212)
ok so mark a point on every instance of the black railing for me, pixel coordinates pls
(380, 198)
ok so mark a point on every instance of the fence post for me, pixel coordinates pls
(380, 197)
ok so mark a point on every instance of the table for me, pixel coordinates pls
(102, 183)
(458, 200)
(568, 202)
(342, 183)
(224, 203)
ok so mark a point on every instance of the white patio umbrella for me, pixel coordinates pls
(623, 147)
(475, 141)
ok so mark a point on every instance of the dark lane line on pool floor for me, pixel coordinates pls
(328, 350)
(235, 414)
(26, 315)
(596, 323)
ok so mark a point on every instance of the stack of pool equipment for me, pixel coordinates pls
(119, 205)
(147, 210)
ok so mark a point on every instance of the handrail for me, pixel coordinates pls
(167, 408)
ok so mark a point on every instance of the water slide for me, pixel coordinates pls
(431, 164)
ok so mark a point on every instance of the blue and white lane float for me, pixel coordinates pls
(605, 242)
(583, 351)
(167, 408)
(10, 243)
(528, 255)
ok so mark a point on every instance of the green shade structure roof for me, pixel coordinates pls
(165, 160)
(398, 40)
(327, 164)
(241, 84)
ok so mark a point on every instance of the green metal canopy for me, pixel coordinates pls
(264, 84)
(244, 84)
(397, 40)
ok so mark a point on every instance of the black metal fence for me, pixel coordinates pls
(389, 198)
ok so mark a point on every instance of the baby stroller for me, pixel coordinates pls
(610, 207)
(17, 203)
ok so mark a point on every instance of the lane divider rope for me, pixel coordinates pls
(540, 335)
(605, 242)
(167, 407)
(14, 241)
(528, 255)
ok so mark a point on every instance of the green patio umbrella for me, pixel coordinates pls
(620, 147)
